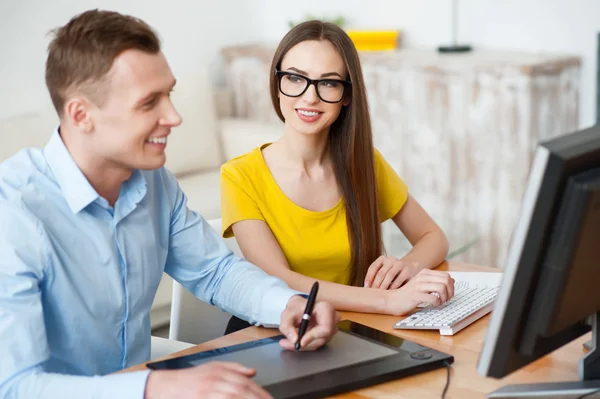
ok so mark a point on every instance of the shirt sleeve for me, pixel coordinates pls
(24, 346)
(200, 260)
(238, 199)
(392, 192)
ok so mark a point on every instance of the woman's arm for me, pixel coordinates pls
(430, 245)
(260, 247)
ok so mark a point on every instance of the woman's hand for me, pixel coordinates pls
(429, 286)
(390, 273)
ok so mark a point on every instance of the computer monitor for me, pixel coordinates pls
(550, 292)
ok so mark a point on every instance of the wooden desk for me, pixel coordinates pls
(465, 346)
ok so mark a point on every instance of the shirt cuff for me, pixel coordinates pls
(112, 386)
(273, 305)
(129, 385)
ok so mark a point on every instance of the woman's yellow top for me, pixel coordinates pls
(315, 244)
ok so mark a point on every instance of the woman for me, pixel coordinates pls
(310, 205)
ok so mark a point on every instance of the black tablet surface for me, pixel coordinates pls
(356, 357)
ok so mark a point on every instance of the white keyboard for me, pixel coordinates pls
(469, 303)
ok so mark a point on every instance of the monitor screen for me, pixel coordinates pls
(551, 276)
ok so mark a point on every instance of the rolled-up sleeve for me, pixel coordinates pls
(24, 266)
(200, 260)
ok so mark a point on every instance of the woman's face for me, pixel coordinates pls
(308, 114)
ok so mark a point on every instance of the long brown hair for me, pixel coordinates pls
(350, 143)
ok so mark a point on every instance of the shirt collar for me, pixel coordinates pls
(136, 186)
(77, 190)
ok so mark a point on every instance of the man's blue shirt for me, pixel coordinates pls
(78, 277)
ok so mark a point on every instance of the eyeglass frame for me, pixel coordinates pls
(310, 82)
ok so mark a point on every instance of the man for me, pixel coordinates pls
(89, 224)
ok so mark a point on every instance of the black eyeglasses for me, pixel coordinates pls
(328, 90)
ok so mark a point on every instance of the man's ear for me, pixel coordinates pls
(77, 111)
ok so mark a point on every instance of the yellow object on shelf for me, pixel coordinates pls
(379, 40)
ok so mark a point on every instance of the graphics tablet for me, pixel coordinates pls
(356, 357)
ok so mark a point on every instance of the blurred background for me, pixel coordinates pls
(193, 32)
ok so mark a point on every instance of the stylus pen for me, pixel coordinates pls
(307, 312)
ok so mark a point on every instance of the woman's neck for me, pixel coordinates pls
(305, 151)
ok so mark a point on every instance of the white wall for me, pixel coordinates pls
(552, 26)
(192, 33)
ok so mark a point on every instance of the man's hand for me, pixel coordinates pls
(322, 326)
(388, 272)
(211, 380)
(429, 286)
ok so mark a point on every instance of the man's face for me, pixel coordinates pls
(130, 128)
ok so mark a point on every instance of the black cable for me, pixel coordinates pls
(447, 380)
(586, 395)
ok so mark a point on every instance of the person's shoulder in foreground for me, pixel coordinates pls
(40, 324)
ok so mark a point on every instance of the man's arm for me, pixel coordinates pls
(34, 383)
(200, 260)
(24, 265)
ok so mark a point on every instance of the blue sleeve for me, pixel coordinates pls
(200, 260)
(37, 384)
(24, 265)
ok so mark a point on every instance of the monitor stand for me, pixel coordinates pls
(588, 369)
